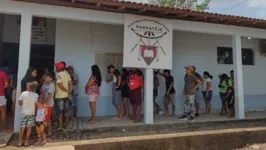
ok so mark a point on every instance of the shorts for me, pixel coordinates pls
(125, 92)
(74, 99)
(209, 98)
(117, 98)
(27, 121)
(197, 96)
(39, 124)
(62, 105)
(155, 92)
(2, 100)
(169, 99)
(135, 96)
(93, 98)
(49, 113)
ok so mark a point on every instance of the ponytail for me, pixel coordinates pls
(210, 76)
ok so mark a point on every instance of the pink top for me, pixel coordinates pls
(93, 89)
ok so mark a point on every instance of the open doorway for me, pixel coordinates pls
(41, 56)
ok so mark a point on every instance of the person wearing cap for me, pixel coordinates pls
(197, 92)
(117, 97)
(74, 98)
(191, 85)
(62, 94)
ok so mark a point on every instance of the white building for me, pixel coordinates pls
(77, 30)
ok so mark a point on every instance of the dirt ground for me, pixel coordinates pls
(255, 147)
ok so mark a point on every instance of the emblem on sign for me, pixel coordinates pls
(149, 32)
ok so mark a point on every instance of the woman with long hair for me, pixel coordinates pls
(125, 92)
(207, 90)
(92, 89)
(29, 77)
(224, 84)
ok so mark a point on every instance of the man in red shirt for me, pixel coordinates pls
(3, 85)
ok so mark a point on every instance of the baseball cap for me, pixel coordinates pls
(59, 66)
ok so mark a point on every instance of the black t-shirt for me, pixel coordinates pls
(117, 74)
(168, 80)
(198, 76)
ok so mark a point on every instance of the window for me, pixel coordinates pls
(247, 57)
(225, 56)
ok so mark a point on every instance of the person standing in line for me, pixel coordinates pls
(197, 92)
(29, 77)
(207, 91)
(231, 79)
(224, 84)
(230, 98)
(74, 98)
(135, 84)
(41, 111)
(191, 85)
(3, 86)
(62, 94)
(47, 92)
(92, 89)
(116, 89)
(125, 92)
(28, 101)
(169, 96)
(155, 92)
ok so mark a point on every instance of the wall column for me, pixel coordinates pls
(238, 77)
(148, 96)
(23, 60)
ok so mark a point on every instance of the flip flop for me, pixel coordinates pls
(115, 118)
(20, 144)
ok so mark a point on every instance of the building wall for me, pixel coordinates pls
(77, 42)
(12, 28)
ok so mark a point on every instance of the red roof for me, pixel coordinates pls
(156, 11)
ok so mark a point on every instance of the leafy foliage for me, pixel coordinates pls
(185, 4)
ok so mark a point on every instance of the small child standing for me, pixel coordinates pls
(47, 92)
(40, 120)
(27, 101)
(230, 99)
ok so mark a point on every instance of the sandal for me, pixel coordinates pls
(26, 144)
(20, 144)
(43, 143)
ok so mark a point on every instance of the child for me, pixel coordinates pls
(230, 99)
(47, 92)
(40, 119)
(27, 101)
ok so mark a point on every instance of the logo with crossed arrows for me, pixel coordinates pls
(149, 32)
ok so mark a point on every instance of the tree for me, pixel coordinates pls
(184, 4)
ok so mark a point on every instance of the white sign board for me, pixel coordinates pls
(148, 42)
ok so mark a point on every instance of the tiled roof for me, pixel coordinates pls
(156, 11)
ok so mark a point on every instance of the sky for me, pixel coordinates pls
(246, 8)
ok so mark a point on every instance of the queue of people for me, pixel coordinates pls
(58, 91)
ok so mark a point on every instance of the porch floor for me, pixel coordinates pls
(110, 122)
